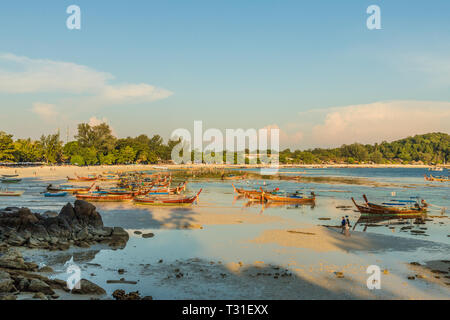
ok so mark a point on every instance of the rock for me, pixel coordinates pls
(82, 235)
(46, 269)
(83, 244)
(37, 285)
(22, 283)
(122, 281)
(88, 287)
(121, 295)
(12, 259)
(40, 296)
(148, 235)
(33, 243)
(16, 240)
(6, 283)
(8, 297)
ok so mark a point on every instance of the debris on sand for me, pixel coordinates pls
(148, 235)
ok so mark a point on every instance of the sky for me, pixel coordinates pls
(310, 68)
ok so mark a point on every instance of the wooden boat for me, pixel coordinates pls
(119, 192)
(82, 179)
(71, 189)
(10, 175)
(176, 190)
(438, 179)
(55, 194)
(6, 193)
(10, 180)
(167, 200)
(93, 197)
(289, 198)
(390, 208)
(251, 192)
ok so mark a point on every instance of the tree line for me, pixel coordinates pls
(430, 148)
(92, 145)
(97, 145)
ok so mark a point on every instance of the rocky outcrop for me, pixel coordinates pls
(80, 225)
(17, 276)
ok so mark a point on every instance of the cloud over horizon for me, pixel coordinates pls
(366, 123)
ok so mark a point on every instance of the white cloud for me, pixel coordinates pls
(94, 121)
(375, 122)
(288, 135)
(45, 111)
(141, 92)
(20, 75)
(365, 123)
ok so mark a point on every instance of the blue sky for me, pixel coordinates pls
(311, 68)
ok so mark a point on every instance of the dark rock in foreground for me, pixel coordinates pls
(121, 295)
(79, 225)
(17, 276)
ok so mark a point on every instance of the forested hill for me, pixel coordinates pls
(430, 148)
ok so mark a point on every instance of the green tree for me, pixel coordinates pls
(99, 137)
(126, 155)
(89, 155)
(77, 160)
(6, 147)
(108, 159)
(51, 148)
(26, 150)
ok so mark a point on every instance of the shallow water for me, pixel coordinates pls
(230, 243)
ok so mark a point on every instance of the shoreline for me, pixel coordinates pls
(70, 170)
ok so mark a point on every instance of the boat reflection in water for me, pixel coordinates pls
(269, 205)
(377, 220)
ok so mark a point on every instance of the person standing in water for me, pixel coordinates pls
(347, 226)
(343, 223)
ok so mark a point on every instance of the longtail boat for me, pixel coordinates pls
(294, 198)
(93, 197)
(82, 179)
(55, 194)
(176, 190)
(10, 175)
(250, 192)
(167, 200)
(10, 180)
(71, 189)
(6, 193)
(438, 179)
(390, 208)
